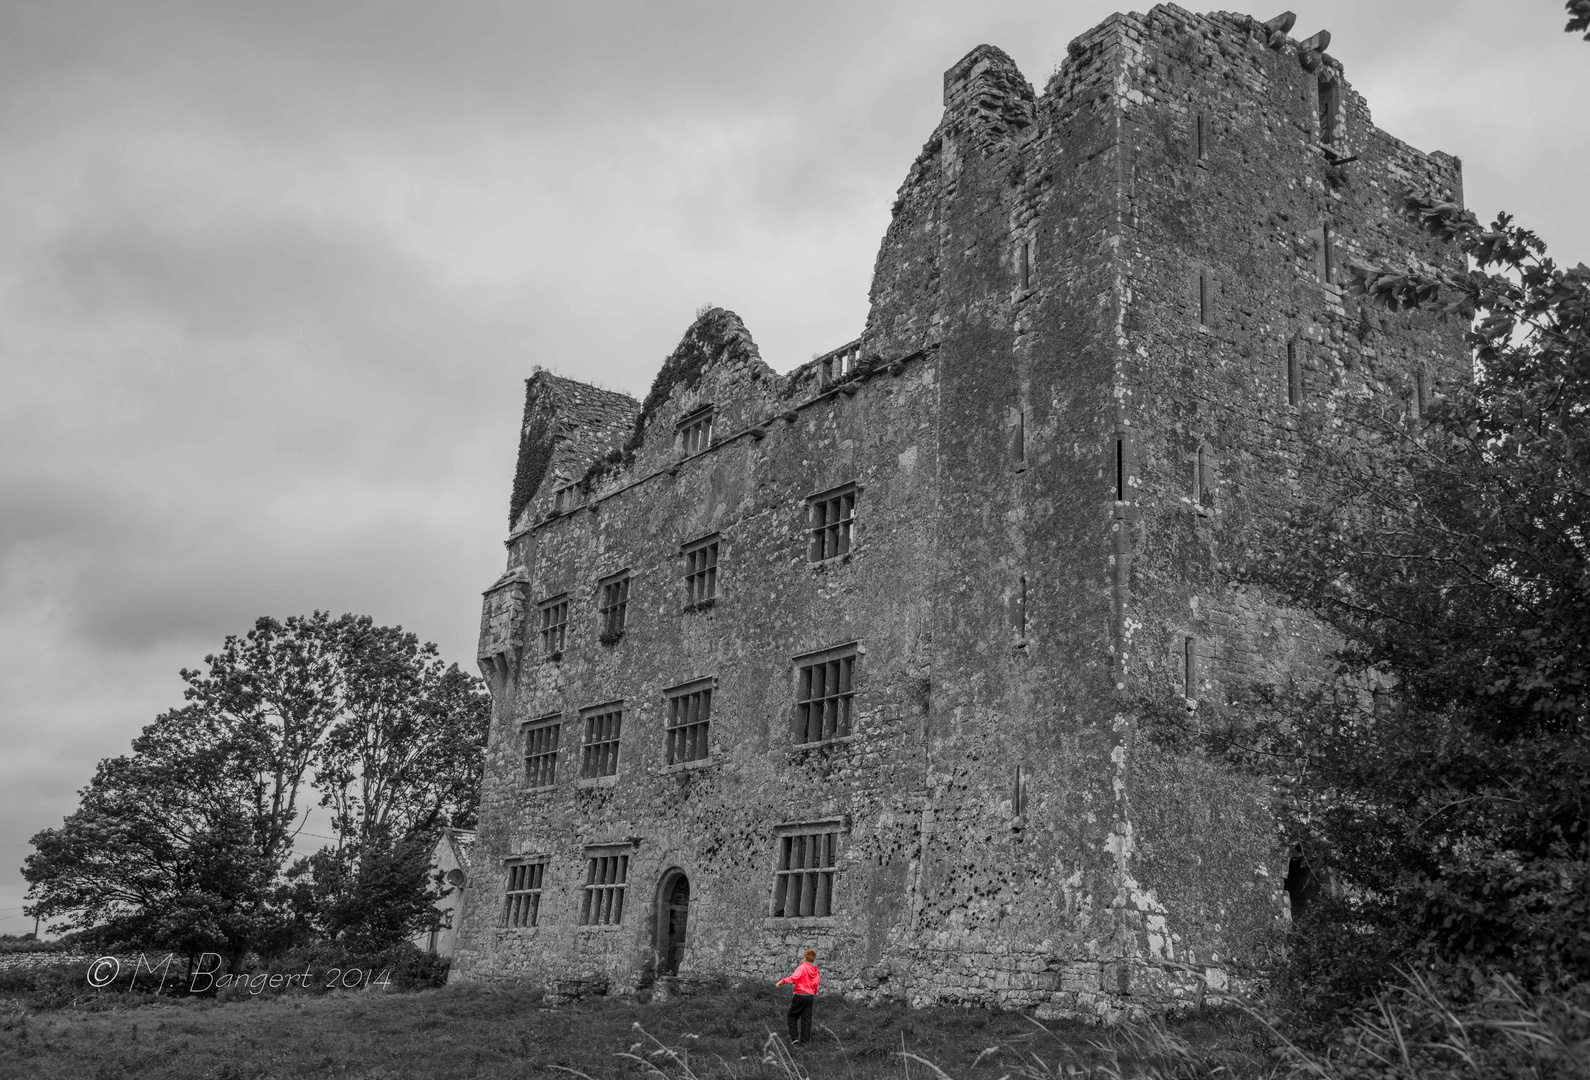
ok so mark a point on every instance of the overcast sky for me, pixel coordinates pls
(272, 275)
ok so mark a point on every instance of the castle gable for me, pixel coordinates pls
(713, 383)
(568, 426)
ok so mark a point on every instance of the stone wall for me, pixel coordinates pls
(1097, 317)
(27, 961)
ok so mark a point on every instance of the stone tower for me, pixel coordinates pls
(849, 658)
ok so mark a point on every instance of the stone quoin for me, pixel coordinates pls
(850, 658)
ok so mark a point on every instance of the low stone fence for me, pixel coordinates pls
(43, 958)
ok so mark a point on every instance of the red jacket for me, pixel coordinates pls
(804, 977)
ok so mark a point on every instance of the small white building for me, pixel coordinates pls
(451, 860)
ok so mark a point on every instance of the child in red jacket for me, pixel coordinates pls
(804, 979)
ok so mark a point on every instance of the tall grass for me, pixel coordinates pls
(734, 1032)
(1419, 1032)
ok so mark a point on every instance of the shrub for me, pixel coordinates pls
(406, 966)
(11, 945)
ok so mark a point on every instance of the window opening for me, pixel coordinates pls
(1327, 255)
(523, 906)
(701, 570)
(605, 880)
(840, 364)
(1018, 437)
(1204, 478)
(1203, 298)
(1294, 375)
(689, 715)
(831, 522)
(1024, 255)
(1201, 136)
(1190, 668)
(1420, 393)
(1330, 101)
(613, 606)
(541, 751)
(695, 431)
(824, 695)
(554, 625)
(599, 752)
(1018, 607)
(1120, 470)
(803, 884)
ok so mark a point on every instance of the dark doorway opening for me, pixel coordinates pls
(1302, 883)
(675, 917)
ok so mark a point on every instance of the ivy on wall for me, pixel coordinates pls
(535, 452)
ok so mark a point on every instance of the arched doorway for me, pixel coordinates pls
(673, 917)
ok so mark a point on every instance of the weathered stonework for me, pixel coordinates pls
(1096, 317)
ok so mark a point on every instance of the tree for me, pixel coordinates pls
(157, 854)
(405, 753)
(384, 895)
(403, 760)
(277, 690)
(182, 843)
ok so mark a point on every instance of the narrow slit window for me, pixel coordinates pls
(831, 523)
(1327, 255)
(689, 721)
(599, 753)
(824, 696)
(1421, 393)
(1190, 674)
(1330, 104)
(1018, 437)
(523, 894)
(803, 884)
(1024, 258)
(1203, 298)
(605, 880)
(1120, 470)
(1294, 375)
(1201, 137)
(1206, 478)
(541, 751)
(1018, 607)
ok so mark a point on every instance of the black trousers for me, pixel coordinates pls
(800, 1016)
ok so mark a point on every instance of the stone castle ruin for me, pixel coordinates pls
(850, 658)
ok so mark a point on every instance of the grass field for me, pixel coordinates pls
(490, 1032)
